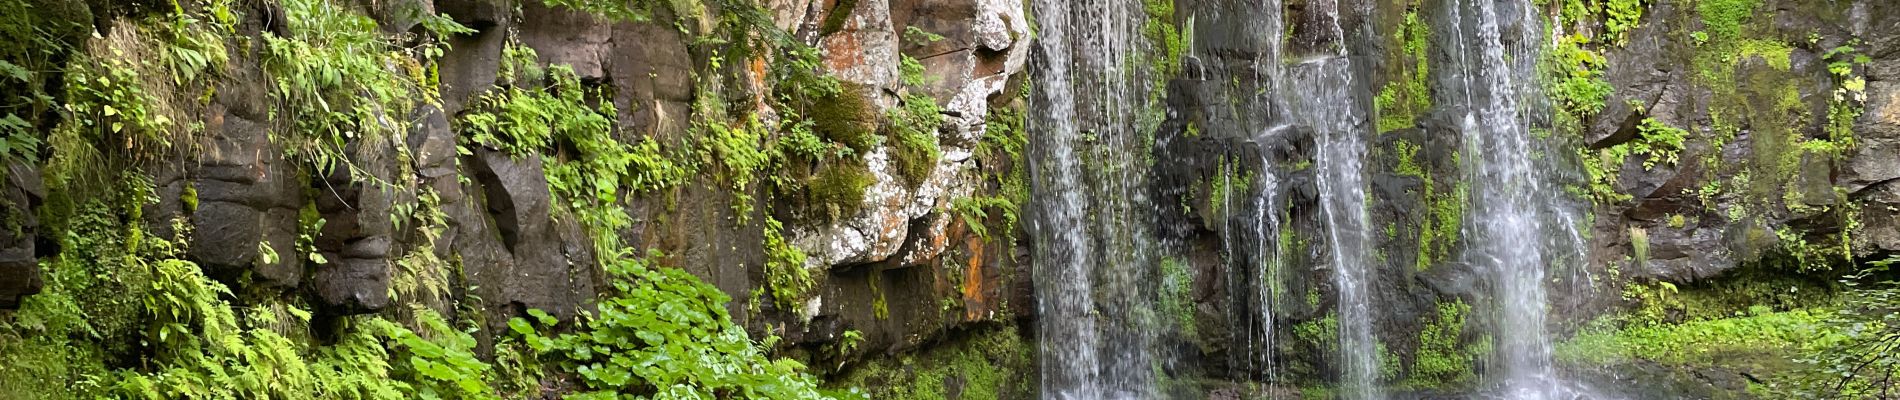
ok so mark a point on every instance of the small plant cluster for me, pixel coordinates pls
(914, 128)
(1575, 77)
(1000, 157)
(545, 112)
(662, 333)
(1444, 358)
(1658, 144)
(1176, 300)
(1406, 96)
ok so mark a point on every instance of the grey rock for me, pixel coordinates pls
(567, 37)
(1876, 158)
(353, 286)
(20, 191)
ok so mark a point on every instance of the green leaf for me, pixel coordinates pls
(15, 71)
(520, 326)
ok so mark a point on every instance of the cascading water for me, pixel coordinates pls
(1092, 220)
(1323, 83)
(1511, 243)
(1318, 94)
(1089, 168)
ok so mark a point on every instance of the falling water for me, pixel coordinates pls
(1324, 82)
(1092, 220)
(1319, 96)
(1511, 242)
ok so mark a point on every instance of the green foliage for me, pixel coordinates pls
(1176, 301)
(1408, 160)
(993, 362)
(1575, 77)
(1406, 96)
(1659, 142)
(785, 269)
(1859, 348)
(1322, 334)
(1000, 154)
(110, 98)
(1439, 231)
(665, 334)
(196, 341)
(1758, 344)
(35, 35)
(913, 33)
(336, 79)
(584, 163)
(914, 130)
(1166, 44)
(615, 9)
(911, 72)
(1623, 15)
(1228, 184)
(1444, 360)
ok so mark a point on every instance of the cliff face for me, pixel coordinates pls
(851, 172)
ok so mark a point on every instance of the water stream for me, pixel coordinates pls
(1092, 221)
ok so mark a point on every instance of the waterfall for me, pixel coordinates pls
(1319, 97)
(1511, 243)
(1091, 219)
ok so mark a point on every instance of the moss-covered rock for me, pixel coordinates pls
(847, 116)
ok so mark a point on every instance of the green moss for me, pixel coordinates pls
(1176, 300)
(1405, 96)
(914, 129)
(847, 116)
(1762, 344)
(837, 189)
(1723, 19)
(993, 362)
(840, 13)
(1775, 52)
(189, 197)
